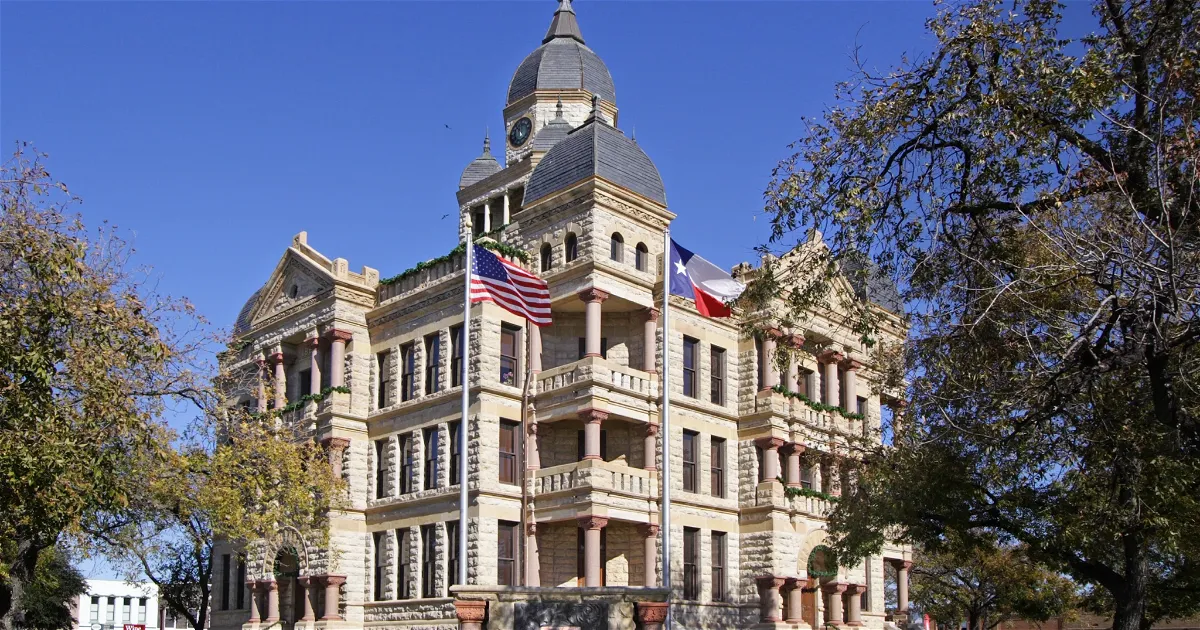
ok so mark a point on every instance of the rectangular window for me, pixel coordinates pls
(455, 451)
(125, 610)
(860, 406)
(407, 471)
(718, 566)
(603, 347)
(225, 585)
(456, 349)
(141, 610)
(805, 379)
(508, 451)
(760, 360)
(383, 384)
(380, 566)
(428, 560)
(691, 563)
(506, 554)
(241, 582)
(404, 552)
(381, 468)
(112, 610)
(716, 460)
(433, 363)
(716, 381)
(690, 366)
(95, 610)
(305, 383)
(408, 368)
(451, 555)
(430, 442)
(691, 449)
(509, 349)
(806, 477)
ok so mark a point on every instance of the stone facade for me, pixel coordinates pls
(565, 492)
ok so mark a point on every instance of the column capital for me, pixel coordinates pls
(794, 582)
(851, 365)
(651, 314)
(261, 362)
(531, 428)
(900, 564)
(334, 580)
(830, 356)
(794, 447)
(834, 588)
(269, 585)
(305, 580)
(648, 530)
(336, 334)
(252, 585)
(277, 358)
(651, 612)
(795, 340)
(470, 611)
(770, 581)
(593, 522)
(531, 529)
(336, 443)
(770, 443)
(313, 342)
(773, 333)
(652, 429)
(593, 295)
(593, 415)
(855, 589)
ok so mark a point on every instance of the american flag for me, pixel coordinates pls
(496, 280)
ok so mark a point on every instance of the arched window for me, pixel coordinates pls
(641, 257)
(572, 247)
(616, 249)
(547, 257)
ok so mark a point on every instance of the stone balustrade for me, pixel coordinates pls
(422, 278)
(594, 475)
(599, 371)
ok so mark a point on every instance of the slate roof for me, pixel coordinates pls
(481, 167)
(870, 283)
(562, 62)
(552, 133)
(596, 148)
(242, 323)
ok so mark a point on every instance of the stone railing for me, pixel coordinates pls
(421, 278)
(594, 475)
(599, 371)
(812, 506)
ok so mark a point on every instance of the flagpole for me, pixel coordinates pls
(462, 426)
(665, 424)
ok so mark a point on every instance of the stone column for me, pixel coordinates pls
(771, 604)
(253, 586)
(898, 408)
(337, 447)
(794, 451)
(852, 367)
(591, 548)
(262, 385)
(314, 381)
(650, 447)
(796, 342)
(790, 383)
(650, 341)
(470, 614)
(337, 356)
(902, 567)
(333, 585)
(770, 447)
(280, 382)
(272, 600)
(795, 597)
(651, 615)
(770, 373)
(487, 216)
(533, 456)
(305, 583)
(834, 482)
(506, 215)
(819, 603)
(829, 362)
(649, 532)
(592, 419)
(834, 614)
(592, 299)
(854, 599)
(535, 350)
(533, 569)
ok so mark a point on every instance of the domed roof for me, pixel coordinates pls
(481, 167)
(553, 132)
(242, 323)
(562, 62)
(599, 149)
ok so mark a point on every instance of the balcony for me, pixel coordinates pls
(567, 389)
(617, 489)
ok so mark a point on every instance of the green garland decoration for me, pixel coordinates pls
(304, 400)
(818, 406)
(792, 493)
(830, 557)
(508, 251)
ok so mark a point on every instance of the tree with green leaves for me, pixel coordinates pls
(1034, 194)
(56, 586)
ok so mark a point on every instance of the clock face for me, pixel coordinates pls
(520, 132)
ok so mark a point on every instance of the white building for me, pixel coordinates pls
(111, 604)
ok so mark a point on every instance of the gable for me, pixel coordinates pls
(294, 283)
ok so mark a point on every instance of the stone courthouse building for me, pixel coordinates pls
(563, 526)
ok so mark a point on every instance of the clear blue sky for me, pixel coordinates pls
(211, 132)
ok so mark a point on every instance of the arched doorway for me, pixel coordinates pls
(822, 568)
(291, 596)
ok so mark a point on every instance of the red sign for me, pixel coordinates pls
(134, 626)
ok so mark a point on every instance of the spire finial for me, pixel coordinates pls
(487, 141)
(558, 109)
(596, 106)
(564, 23)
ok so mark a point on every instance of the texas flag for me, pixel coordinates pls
(697, 279)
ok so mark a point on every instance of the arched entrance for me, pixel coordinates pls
(291, 596)
(822, 567)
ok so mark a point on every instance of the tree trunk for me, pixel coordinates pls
(23, 568)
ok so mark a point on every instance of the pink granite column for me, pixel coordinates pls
(591, 548)
(262, 384)
(650, 448)
(770, 447)
(533, 456)
(272, 600)
(649, 532)
(337, 356)
(833, 616)
(771, 610)
(852, 367)
(592, 419)
(333, 584)
(829, 362)
(533, 568)
(770, 371)
(794, 450)
(592, 299)
(651, 615)
(854, 599)
(535, 349)
(902, 567)
(314, 377)
(253, 586)
(650, 341)
(280, 383)
(795, 342)
(471, 614)
(795, 597)
(305, 583)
